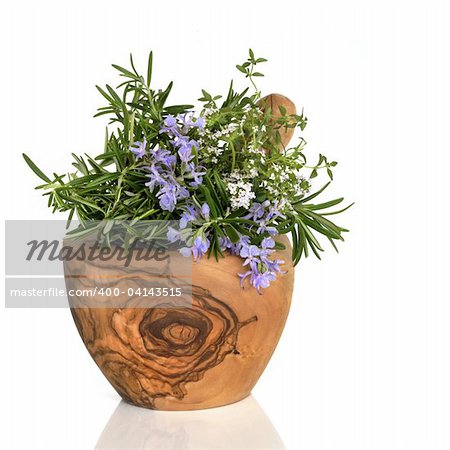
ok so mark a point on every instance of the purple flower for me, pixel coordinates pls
(258, 279)
(186, 120)
(267, 246)
(264, 228)
(167, 198)
(161, 175)
(155, 177)
(170, 190)
(170, 126)
(180, 125)
(198, 249)
(263, 214)
(274, 266)
(199, 123)
(163, 156)
(170, 121)
(185, 151)
(243, 276)
(262, 270)
(138, 148)
(244, 240)
(262, 280)
(205, 211)
(193, 214)
(274, 211)
(250, 252)
(226, 244)
(196, 174)
(186, 251)
(173, 235)
(188, 216)
(267, 242)
(256, 210)
(185, 146)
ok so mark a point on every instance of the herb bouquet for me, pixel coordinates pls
(228, 175)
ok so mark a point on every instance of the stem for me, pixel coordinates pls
(233, 155)
(315, 167)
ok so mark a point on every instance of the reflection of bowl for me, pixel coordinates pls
(242, 425)
(207, 354)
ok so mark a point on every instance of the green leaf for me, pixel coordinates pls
(210, 201)
(325, 205)
(177, 109)
(214, 196)
(221, 188)
(36, 169)
(232, 234)
(149, 69)
(310, 197)
(125, 72)
(80, 164)
(132, 66)
(339, 211)
(110, 100)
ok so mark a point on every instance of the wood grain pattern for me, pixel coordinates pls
(204, 356)
(208, 355)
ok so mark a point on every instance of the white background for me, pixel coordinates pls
(364, 359)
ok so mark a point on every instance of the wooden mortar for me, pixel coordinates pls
(207, 355)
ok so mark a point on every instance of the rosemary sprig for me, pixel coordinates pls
(238, 140)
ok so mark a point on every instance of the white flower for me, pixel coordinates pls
(303, 184)
(209, 111)
(253, 172)
(240, 190)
